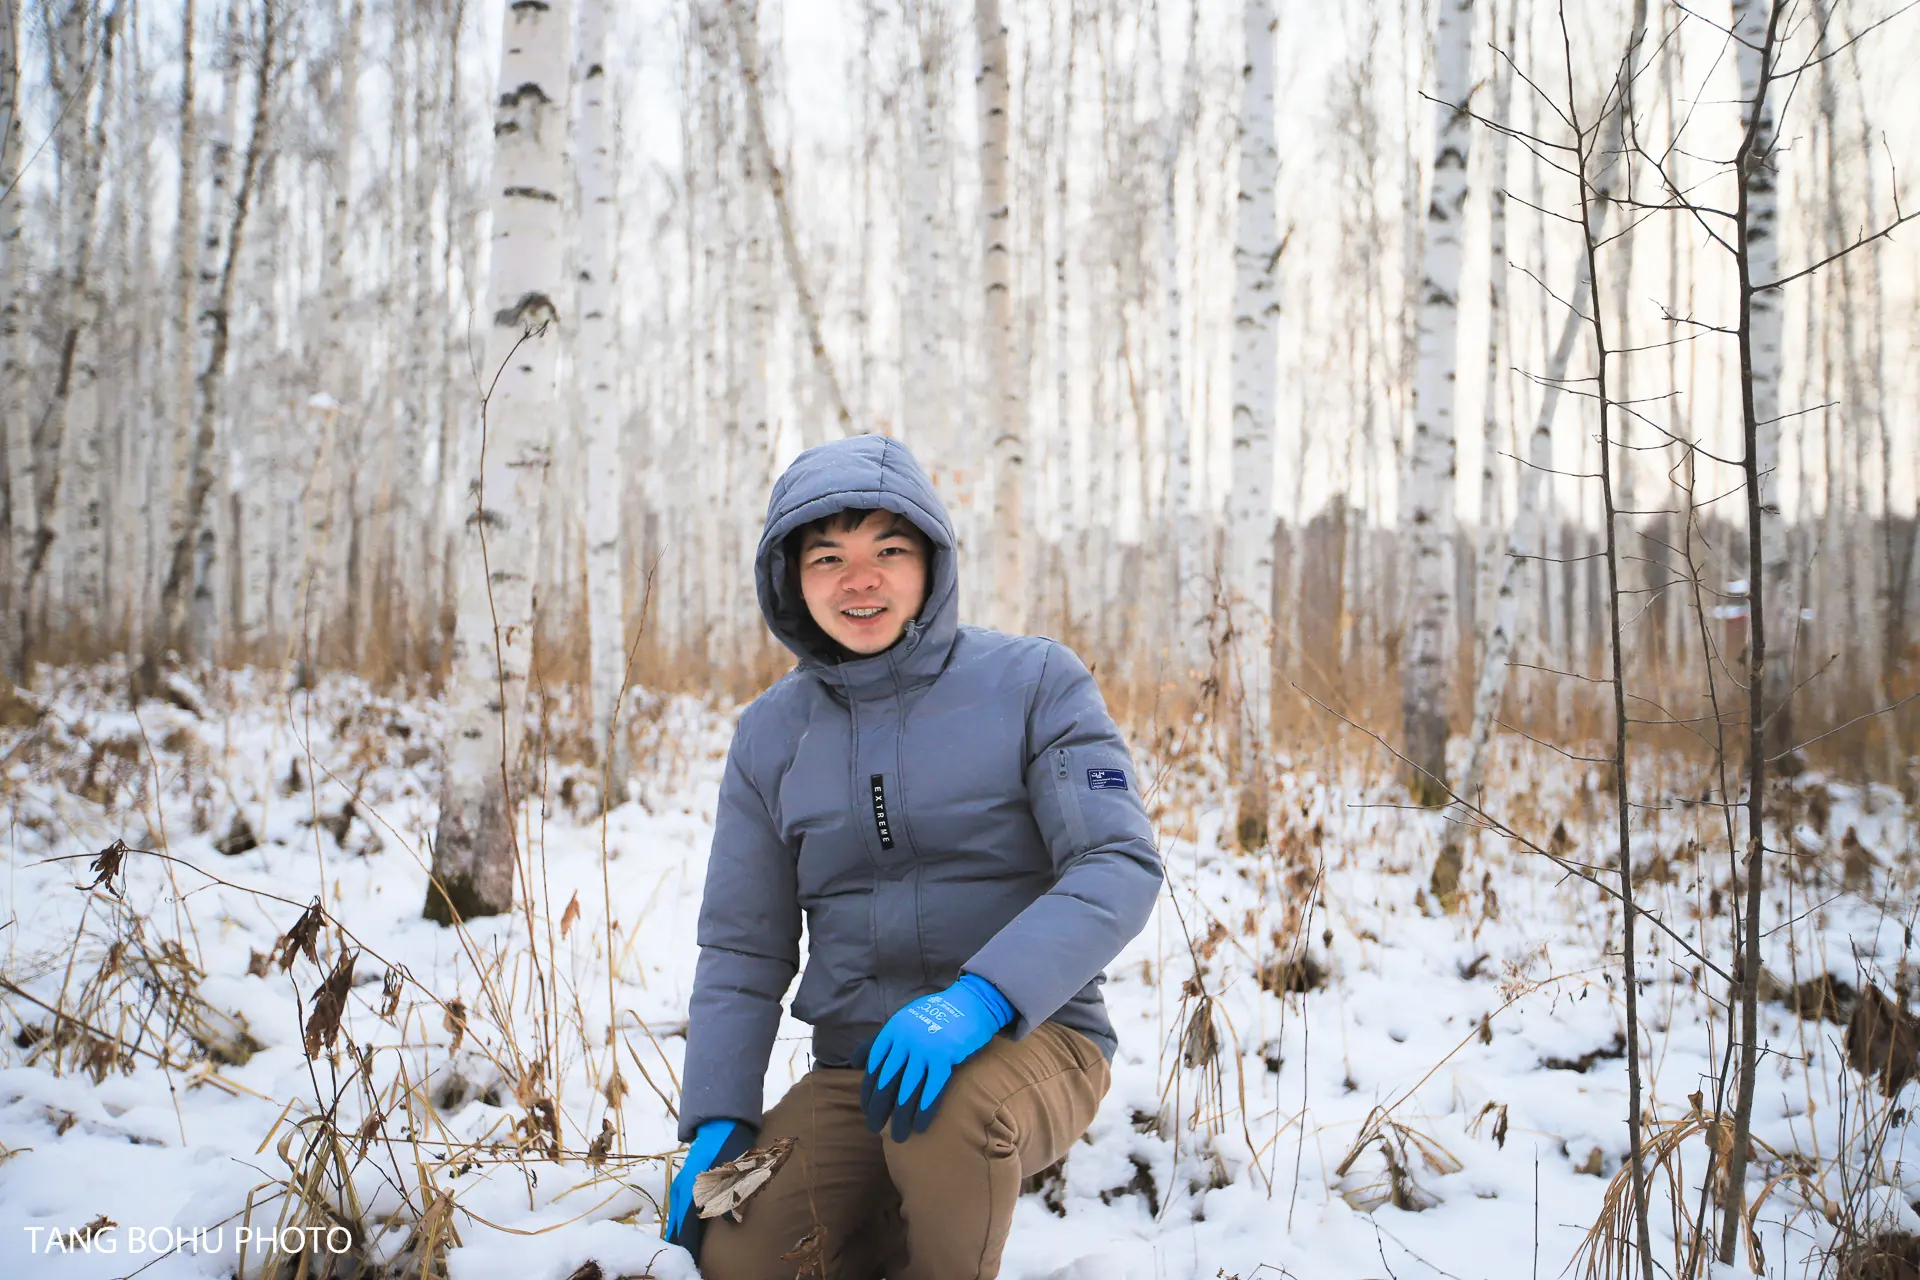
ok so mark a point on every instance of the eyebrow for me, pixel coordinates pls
(815, 541)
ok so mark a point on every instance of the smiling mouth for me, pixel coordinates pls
(863, 615)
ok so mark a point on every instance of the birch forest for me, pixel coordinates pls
(1460, 435)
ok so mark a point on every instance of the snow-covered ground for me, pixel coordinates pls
(1477, 1052)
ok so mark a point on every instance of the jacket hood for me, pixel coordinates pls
(865, 471)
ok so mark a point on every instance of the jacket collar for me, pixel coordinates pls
(916, 659)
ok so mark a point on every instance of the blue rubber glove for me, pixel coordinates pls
(714, 1142)
(920, 1046)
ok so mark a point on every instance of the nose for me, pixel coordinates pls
(862, 574)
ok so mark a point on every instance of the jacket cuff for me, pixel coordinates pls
(990, 996)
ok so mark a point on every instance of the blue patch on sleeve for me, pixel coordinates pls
(1107, 779)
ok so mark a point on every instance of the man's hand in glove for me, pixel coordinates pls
(921, 1045)
(715, 1142)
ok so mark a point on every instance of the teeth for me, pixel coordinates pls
(862, 613)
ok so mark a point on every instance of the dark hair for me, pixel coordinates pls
(846, 520)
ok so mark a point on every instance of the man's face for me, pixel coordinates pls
(863, 585)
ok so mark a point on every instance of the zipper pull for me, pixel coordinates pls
(1060, 758)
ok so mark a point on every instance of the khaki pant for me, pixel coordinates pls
(935, 1207)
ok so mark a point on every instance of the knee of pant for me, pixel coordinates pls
(964, 1133)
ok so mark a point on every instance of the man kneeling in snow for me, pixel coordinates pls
(958, 818)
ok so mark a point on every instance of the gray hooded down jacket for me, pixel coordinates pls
(962, 801)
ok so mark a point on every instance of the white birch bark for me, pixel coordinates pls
(334, 405)
(189, 592)
(83, 516)
(475, 854)
(928, 395)
(744, 15)
(1431, 461)
(594, 361)
(1256, 308)
(1490, 491)
(1523, 542)
(15, 344)
(70, 406)
(1065, 514)
(455, 255)
(1006, 403)
(18, 478)
(1750, 24)
(186, 250)
(1190, 596)
(188, 589)
(1526, 535)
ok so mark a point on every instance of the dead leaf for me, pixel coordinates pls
(258, 963)
(588, 1270)
(531, 1085)
(108, 863)
(1884, 1040)
(80, 1235)
(1200, 1045)
(456, 1022)
(602, 1146)
(539, 1129)
(304, 936)
(1594, 1165)
(725, 1188)
(808, 1256)
(390, 988)
(571, 914)
(329, 1003)
(616, 1088)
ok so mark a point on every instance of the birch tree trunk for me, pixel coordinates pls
(84, 515)
(1190, 595)
(1523, 543)
(1750, 24)
(213, 319)
(1491, 506)
(70, 405)
(475, 855)
(1256, 309)
(595, 356)
(1430, 472)
(1006, 411)
(927, 396)
(16, 485)
(744, 15)
(1525, 536)
(186, 245)
(334, 406)
(189, 566)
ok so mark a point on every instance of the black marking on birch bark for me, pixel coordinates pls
(514, 97)
(533, 309)
(531, 193)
